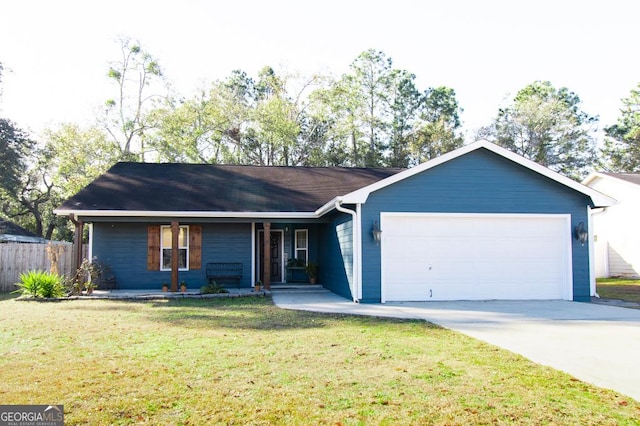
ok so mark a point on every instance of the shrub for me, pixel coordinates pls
(89, 276)
(28, 285)
(40, 284)
(295, 262)
(213, 288)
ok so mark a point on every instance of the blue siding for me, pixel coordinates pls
(123, 246)
(227, 242)
(290, 239)
(478, 182)
(336, 253)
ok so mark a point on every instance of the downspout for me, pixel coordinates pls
(356, 249)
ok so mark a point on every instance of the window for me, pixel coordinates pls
(165, 248)
(192, 242)
(302, 245)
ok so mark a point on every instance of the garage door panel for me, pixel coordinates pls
(477, 257)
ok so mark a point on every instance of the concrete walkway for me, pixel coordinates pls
(595, 343)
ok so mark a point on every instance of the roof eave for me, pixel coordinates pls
(592, 176)
(21, 239)
(327, 207)
(187, 214)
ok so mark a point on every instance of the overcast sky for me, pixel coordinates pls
(56, 52)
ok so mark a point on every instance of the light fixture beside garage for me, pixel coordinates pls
(376, 232)
(580, 233)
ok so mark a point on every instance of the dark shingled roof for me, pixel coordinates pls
(629, 177)
(222, 188)
(10, 228)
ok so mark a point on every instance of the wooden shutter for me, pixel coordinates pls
(153, 247)
(195, 247)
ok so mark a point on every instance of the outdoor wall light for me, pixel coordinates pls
(580, 234)
(376, 232)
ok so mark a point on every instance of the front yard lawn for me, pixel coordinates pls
(245, 361)
(619, 288)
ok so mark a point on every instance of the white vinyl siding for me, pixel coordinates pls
(617, 249)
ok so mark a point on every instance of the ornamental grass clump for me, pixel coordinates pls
(213, 288)
(40, 284)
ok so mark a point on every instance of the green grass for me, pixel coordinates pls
(619, 288)
(245, 361)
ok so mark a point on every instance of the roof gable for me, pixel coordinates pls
(361, 195)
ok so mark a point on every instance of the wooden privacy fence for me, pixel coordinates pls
(16, 258)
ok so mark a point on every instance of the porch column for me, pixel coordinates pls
(175, 232)
(77, 242)
(266, 281)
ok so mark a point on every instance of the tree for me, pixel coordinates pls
(405, 102)
(15, 147)
(370, 83)
(547, 126)
(239, 120)
(336, 109)
(22, 185)
(25, 185)
(76, 156)
(376, 116)
(125, 119)
(187, 131)
(274, 130)
(356, 108)
(622, 146)
(438, 130)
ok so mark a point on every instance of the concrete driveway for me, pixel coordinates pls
(595, 343)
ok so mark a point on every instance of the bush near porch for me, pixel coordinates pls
(245, 361)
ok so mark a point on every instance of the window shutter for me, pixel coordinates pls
(195, 247)
(153, 247)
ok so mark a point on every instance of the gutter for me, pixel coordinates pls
(186, 214)
(355, 290)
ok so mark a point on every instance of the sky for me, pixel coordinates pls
(56, 53)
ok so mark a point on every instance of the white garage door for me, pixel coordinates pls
(475, 257)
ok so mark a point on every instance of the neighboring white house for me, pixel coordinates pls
(616, 230)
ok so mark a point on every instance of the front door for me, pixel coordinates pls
(276, 255)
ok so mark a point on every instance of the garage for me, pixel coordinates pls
(437, 257)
